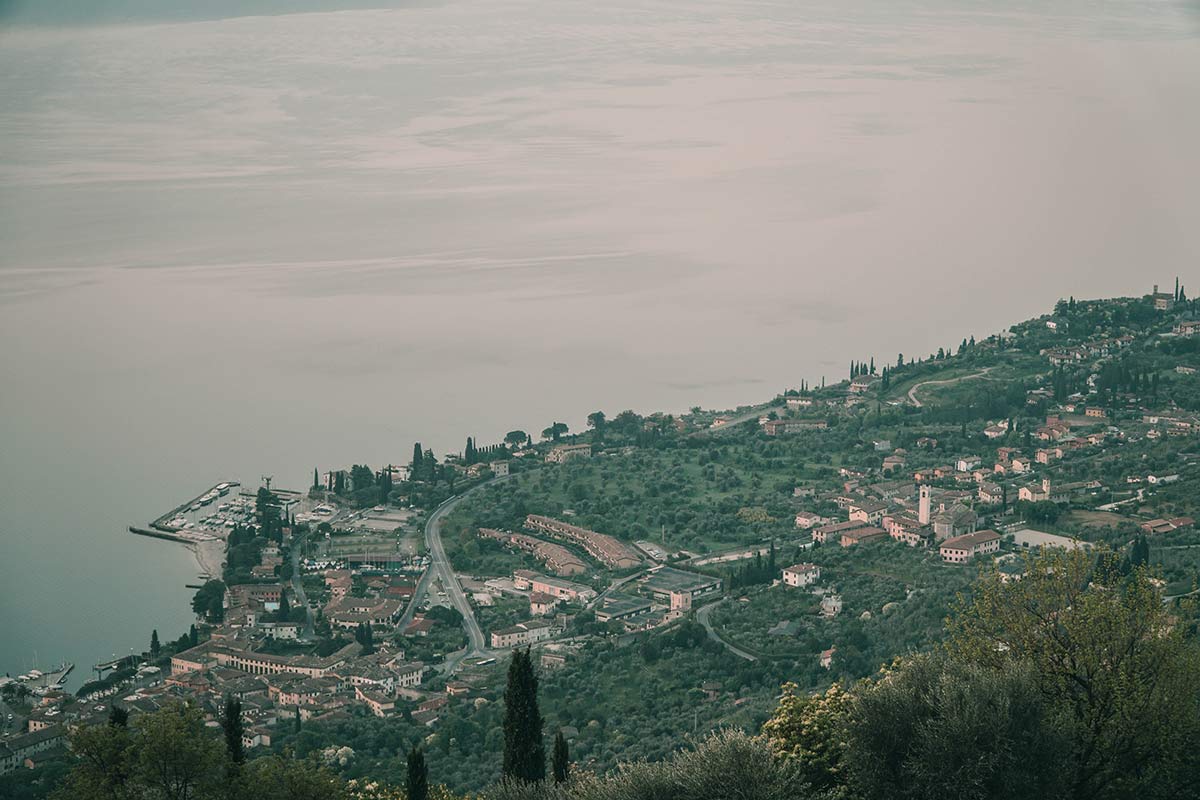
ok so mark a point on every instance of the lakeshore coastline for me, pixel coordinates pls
(210, 556)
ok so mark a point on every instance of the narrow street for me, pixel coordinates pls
(298, 589)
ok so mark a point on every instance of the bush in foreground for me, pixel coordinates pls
(728, 765)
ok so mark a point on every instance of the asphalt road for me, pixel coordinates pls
(702, 618)
(298, 589)
(441, 568)
(15, 725)
(614, 587)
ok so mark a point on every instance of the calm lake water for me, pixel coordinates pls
(258, 245)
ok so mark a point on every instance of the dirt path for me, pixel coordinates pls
(912, 393)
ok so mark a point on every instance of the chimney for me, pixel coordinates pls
(923, 513)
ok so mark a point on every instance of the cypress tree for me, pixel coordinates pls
(155, 647)
(417, 783)
(296, 723)
(366, 637)
(562, 759)
(524, 753)
(316, 479)
(1140, 552)
(231, 724)
(193, 636)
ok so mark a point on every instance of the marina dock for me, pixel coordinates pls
(214, 492)
(181, 536)
(162, 527)
(39, 682)
(202, 524)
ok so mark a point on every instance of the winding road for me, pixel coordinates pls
(912, 393)
(702, 617)
(441, 568)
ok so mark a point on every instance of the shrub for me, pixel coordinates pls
(727, 765)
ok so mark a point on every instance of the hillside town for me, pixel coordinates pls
(394, 592)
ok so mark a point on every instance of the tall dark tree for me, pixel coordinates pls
(118, 717)
(155, 646)
(555, 431)
(316, 479)
(268, 509)
(231, 724)
(385, 483)
(416, 784)
(366, 637)
(561, 761)
(1139, 554)
(296, 721)
(524, 752)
